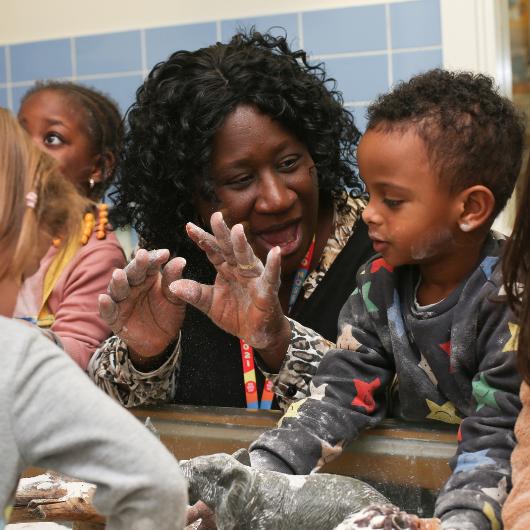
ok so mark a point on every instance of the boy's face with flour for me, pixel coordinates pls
(414, 218)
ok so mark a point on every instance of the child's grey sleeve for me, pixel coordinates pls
(62, 421)
(473, 496)
(348, 393)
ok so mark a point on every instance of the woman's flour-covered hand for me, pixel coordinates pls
(244, 298)
(139, 307)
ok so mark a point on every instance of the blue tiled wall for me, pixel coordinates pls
(352, 29)
(161, 42)
(3, 77)
(37, 60)
(365, 48)
(108, 54)
(276, 23)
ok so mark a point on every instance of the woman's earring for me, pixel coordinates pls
(465, 227)
(91, 183)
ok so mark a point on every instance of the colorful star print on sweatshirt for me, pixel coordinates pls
(454, 362)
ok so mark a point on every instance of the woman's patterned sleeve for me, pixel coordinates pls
(306, 350)
(112, 370)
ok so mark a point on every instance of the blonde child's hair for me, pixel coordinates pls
(26, 170)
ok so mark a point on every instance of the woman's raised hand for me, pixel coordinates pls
(244, 298)
(139, 307)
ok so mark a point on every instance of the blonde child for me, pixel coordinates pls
(52, 416)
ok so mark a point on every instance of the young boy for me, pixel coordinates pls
(440, 159)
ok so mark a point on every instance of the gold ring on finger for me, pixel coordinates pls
(246, 266)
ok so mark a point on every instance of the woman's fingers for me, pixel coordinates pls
(222, 237)
(207, 243)
(271, 275)
(119, 288)
(194, 293)
(145, 263)
(108, 310)
(171, 273)
(248, 264)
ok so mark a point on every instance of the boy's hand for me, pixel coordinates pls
(388, 516)
(200, 511)
(139, 306)
(244, 298)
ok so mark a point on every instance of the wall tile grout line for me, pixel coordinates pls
(143, 52)
(73, 58)
(300, 25)
(86, 77)
(357, 103)
(111, 75)
(7, 56)
(388, 20)
(373, 53)
(417, 49)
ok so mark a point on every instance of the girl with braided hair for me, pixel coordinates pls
(81, 128)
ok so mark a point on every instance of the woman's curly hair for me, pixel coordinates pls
(183, 103)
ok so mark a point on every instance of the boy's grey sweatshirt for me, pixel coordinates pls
(453, 361)
(53, 416)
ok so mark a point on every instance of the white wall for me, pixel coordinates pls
(475, 36)
(51, 19)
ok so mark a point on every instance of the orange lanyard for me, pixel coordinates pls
(247, 353)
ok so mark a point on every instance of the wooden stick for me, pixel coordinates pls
(51, 497)
(81, 525)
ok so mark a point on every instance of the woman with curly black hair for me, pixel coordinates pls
(250, 129)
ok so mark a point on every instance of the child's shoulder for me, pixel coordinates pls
(16, 335)
(376, 268)
(489, 269)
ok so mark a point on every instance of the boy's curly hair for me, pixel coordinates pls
(183, 103)
(473, 135)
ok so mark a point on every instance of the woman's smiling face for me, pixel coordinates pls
(264, 178)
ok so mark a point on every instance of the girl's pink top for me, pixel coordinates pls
(74, 299)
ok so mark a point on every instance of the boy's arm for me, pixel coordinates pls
(347, 395)
(61, 421)
(473, 496)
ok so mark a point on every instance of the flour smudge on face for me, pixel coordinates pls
(431, 244)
